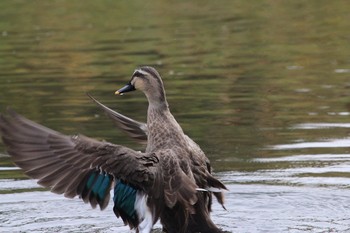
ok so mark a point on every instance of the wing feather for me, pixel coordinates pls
(63, 163)
(136, 130)
(68, 164)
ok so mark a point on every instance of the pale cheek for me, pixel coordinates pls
(139, 86)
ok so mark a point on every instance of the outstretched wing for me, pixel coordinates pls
(74, 165)
(136, 130)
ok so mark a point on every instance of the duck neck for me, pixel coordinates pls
(163, 129)
(157, 104)
(158, 112)
(157, 99)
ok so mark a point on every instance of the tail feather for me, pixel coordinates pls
(213, 182)
(217, 188)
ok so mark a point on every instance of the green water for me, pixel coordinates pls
(249, 81)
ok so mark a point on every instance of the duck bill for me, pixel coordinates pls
(124, 89)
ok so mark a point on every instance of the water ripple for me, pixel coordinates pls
(330, 143)
(250, 208)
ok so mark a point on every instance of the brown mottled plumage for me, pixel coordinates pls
(168, 180)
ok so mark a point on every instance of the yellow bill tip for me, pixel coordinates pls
(118, 93)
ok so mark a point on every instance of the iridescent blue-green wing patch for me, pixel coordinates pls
(124, 203)
(97, 189)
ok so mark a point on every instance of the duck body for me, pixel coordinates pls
(165, 135)
(171, 140)
(170, 181)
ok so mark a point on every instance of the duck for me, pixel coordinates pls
(171, 180)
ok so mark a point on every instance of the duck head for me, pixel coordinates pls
(147, 80)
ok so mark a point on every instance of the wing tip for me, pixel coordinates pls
(90, 96)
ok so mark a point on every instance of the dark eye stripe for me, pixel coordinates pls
(138, 74)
